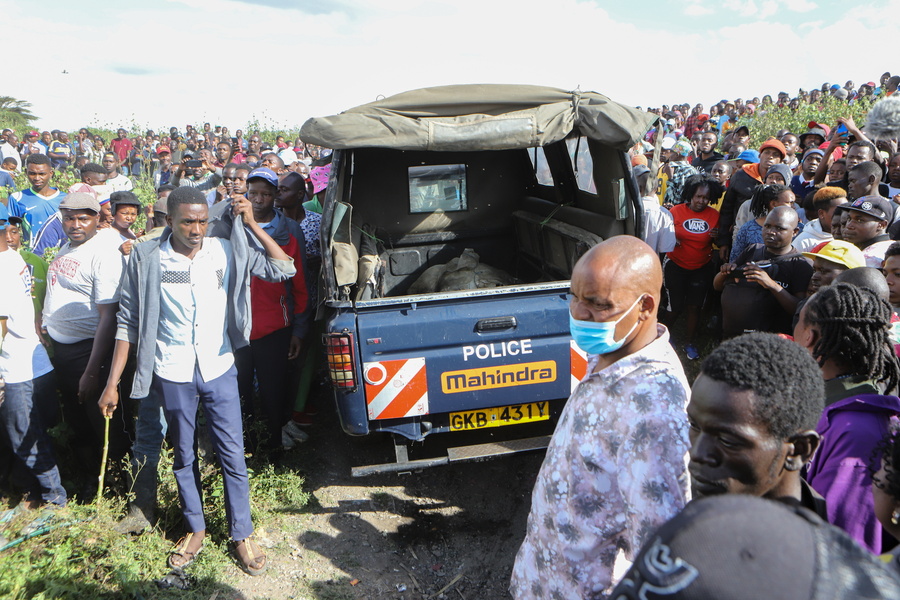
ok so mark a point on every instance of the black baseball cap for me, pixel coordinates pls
(874, 206)
(737, 547)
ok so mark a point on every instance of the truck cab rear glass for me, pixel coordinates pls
(541, 169)
(582, 163)
(435, 188)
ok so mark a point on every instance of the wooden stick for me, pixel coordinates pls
(413, 578)
(103, 461)
(446, 587)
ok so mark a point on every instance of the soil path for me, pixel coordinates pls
(444, 532)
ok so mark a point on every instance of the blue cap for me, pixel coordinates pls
(812, 151)
(4, 216)
(748, 155)
(263, 173)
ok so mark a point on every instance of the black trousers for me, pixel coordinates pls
(84, 418)
(266, 357)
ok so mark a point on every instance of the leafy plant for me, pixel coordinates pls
(769, 121)
(85, 558)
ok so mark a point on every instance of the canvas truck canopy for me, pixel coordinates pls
(479, 117)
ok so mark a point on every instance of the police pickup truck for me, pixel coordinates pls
(450, 226)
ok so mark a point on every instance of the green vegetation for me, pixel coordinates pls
(769, 121)
(85, 558)
(15, 113)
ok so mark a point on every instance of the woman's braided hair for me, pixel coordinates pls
(763, 196)
(854, 331)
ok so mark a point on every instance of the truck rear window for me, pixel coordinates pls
(437, 188)
(541, 168)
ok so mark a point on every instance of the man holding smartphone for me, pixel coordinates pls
(761, 289)
(197, 173)
(237, 152)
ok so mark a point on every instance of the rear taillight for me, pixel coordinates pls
(341, 363)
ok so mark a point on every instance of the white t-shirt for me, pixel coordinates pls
(112, 235)
(80, 278)
(115, 239)
(22, 357)
(659, 228)
(119, 183)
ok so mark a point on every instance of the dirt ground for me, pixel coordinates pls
(445, 532)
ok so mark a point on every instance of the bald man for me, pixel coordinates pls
(615, 469)
(869, 278)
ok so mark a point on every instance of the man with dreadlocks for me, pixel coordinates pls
(846, 329)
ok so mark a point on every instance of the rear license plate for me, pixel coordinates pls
(499, 416)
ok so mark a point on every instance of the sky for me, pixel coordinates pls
(157, 63)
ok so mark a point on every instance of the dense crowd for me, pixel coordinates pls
(82, 264)
(787, 249)
(717, 208)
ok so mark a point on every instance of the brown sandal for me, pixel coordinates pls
(180, 551)
(258, 562)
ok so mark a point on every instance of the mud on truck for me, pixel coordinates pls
(451, 223)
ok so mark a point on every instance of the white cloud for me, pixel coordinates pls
(800, 6)
(696, 9)
(226, 61)
(741, 8)
(767, 9)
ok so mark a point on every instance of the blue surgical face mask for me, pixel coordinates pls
(600, 338)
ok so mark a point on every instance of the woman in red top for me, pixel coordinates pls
(688, 270)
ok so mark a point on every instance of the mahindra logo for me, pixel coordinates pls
(696, 226)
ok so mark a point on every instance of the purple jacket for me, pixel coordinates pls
(850, 430)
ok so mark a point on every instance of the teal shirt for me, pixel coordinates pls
(313, 205)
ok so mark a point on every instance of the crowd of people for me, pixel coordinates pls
(654, 487)
(232, 244)
(717, 208)
(788, 249)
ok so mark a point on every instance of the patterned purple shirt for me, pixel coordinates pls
(616, 469)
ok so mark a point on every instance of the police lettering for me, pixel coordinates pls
(497, 349)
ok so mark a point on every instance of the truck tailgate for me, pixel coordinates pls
(448, 356)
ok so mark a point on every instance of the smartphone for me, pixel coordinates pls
(193, 164)
(841, 130)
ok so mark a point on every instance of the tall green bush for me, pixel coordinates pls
(769, 121)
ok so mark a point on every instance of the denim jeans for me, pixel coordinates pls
(26, 433)
(222, 408)
(150, 431)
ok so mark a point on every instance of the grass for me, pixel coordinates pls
(87, 559)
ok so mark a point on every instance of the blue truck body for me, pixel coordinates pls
(445, 268)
